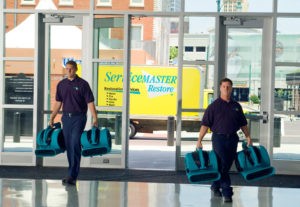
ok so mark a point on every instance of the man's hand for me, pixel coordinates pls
(56, 108)
(199, 145)
(92, 108)
(95, 122)
(50, 123)
(249, 141)
(202, 132)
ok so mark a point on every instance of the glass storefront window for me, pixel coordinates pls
(19, 82)
(18, 122)
(287, 81)
(154, 46)
(286, 137)
(286, 125)
(19, 35)
(109, 39)
(199, 38)
(288, 40)
(228, 6)
(288, 6)
(153, 73)
(197, 94)
(108, 79)
(18, 125)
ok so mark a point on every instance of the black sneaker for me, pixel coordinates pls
(68, 181)
(216, 192)
(227, 199)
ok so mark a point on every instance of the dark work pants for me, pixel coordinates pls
(73, 127)
(225, 148)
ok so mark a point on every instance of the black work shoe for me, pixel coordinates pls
(227, 199)
(68, 181)
(216, 193)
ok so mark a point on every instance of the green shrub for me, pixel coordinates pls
(254, 99)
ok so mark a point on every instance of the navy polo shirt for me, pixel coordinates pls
(74, 94)
(224, 117)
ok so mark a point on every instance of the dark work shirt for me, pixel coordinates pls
(224, 117)
(74, 95)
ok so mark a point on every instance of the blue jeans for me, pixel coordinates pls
(73, 127)
(225, 147)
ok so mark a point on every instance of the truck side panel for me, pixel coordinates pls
(153, 90)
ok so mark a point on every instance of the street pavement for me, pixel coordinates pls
(150, 151)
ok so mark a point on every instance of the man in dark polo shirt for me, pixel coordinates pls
(224, 117)
(74, 95)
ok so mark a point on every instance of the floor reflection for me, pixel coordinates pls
(136, 194)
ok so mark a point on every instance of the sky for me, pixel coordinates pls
(211, 5)
(284, 25)
(254, 5)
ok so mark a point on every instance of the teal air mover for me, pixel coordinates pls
(201, 166)
(50, 141)
(253, 163)
(95, 142)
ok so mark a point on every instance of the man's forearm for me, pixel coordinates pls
(56, 108)
(246, 131)
(92, 108)
(247, 134)
(202, 132)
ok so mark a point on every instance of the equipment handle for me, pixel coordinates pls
(245, 145)
(201, 157)
(57, 125)
(94, 135)
(251, 153)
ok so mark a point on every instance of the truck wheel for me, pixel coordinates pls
(132, 131)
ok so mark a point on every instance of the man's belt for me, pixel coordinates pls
(70, 114)
(226, 135)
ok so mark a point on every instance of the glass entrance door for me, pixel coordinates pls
(71, 37)
(63, 38)
(248, 62)
(268, 94)
(243, 67)
(109, 80)
(242, 54)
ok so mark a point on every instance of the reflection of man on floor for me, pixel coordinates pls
(72, 196)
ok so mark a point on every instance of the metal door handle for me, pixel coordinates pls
(265, 117)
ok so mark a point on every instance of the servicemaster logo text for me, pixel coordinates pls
(156, 85)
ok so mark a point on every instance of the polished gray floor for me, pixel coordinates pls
(21, 192)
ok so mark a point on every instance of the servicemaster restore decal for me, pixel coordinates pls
(159, 85)
(152, 89)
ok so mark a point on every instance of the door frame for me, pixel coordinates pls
(267, 25)
(112, 160)
(46, 21)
